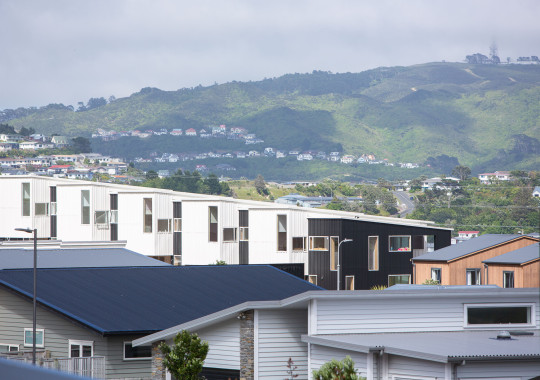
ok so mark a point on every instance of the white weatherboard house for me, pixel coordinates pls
(408, 332)
(186, 228)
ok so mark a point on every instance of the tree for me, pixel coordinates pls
(463, 172)
(151, 174)
(185, 359)
(334, 370)
(95, 103)
(81, 145)
(260, 185)
(212, 184)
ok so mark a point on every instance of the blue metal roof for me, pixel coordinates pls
(18, 258)
(149, 299)
(519, 256)
(470, 246)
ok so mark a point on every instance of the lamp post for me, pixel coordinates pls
(34, 231)
(338, 263)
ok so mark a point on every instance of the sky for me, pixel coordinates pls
(67, 51)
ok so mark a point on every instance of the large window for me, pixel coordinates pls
(147, 214)
(498, 314)
(436, 274)
(508, 279)
(334, 252)
(164, 225)
(213, 223)
(399, 243)
(395, 279)
(81, 348)
(229, 234)
(41, 209)
(40, 338)
(85, 206)
(26, 199)
(373, 253)
(318, 243)
(473, 276)
(299, 243)
(282, 232)
(137, 353)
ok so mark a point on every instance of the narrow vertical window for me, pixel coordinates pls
(508, 279)
(282, 232)
(147, 210)
(373, 253)
(349, 282)
(85, 206)
(334, 252)
(436, 274)
(213, 223)
(26, 199)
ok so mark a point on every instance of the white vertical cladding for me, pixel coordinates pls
(40, 193)
(100, 201)
(223, 343)
(196, 247)
(163, 209)
(263, 236)
(131, 222)
(298, 228)
(69, 211)
(228, 218)
(279, 338)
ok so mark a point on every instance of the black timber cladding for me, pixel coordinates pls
(177, 235)
(54, 231)
(243, 246)
(354, 255)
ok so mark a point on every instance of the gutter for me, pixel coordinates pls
(377, 361)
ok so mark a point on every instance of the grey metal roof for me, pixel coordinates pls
(473, 245)
(18, 258)
(466, 345)
(519, 256)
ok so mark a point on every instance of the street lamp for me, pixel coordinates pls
(34, 231)
(338, 263)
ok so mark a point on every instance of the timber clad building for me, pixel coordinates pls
(197, 229)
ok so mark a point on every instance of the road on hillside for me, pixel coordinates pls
(406, 204)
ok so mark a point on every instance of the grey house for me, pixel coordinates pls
(88, 317)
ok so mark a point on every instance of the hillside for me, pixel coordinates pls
(488, 116)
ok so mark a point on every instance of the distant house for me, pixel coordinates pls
(60, 141)
(281, 154)
(487, 178)
(536, 192)
(468, 234)
(347, 159)
(176, 132)
(191, 132)
(5, 147)
(304, 157)
(34, 145)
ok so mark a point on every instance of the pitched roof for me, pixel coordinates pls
(19, 258)
(519, 256)
(469, 246)
(149, 299)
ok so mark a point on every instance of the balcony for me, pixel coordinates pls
(93, 367)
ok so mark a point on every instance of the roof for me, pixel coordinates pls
(519, 256)
(467, 247)
(149, 299)
(458, 345)
(19, 258)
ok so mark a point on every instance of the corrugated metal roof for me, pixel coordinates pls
(148, 299)
(13, 258)
(473, 245)
(519, 256)
(427, 345)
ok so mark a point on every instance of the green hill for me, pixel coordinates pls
(488, 116)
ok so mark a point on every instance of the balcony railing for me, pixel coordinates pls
(93, 366)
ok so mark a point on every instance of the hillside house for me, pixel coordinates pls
(487, 178)
(191, 132)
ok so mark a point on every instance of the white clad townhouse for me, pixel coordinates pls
(412, 332)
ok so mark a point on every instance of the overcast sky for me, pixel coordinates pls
(66, 51)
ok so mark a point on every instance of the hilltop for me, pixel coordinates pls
(487, 116)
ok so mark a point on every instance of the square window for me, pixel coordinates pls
(164, 225)
(399, 243)
(41, 209)
(298, 243)
(101, 217)
(40, 338)
(318, 243)
(229, 234)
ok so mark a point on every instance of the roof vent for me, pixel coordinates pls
(503, 335)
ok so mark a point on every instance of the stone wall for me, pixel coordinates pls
(158, 370)
(247, 342)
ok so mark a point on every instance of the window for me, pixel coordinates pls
(81, 349)
(8, 348)
(101, 217)
(349, 282)
(26, 199)
(395, 279)
(177, 225)
(244, 233)
(498, 314)
(229, 234)
(436, 274)
(53, 208)
(85, 206)
(334, 252)
(298, 243)
(318, 243)
(213, 223)
(41, 209)
(40, 338)
(373, 253)
(473, 276)
(400, 243)
(282, 232)
(147, 214)
(312, 278)
(508, 279)
(114, 216)
(164, 225)
(137, 353)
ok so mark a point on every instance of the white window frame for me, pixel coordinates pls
(243, 234)
(177, 224)
(169, 226)
(10, 346)
(303, 244)
(513, 279)
(114, 217)
(376, 267)
(478, 272)
(46, 205)
(148, 228)
(311, 277)
(133, 359)
(326, 243)
(53, 208)
(400, 236)
(440, 274)
(80, 343)
(102, 212)
(235, 235)
(26, 200)
(530, 305)
(396, 275)
(31, 330)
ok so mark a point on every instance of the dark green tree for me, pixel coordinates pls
(212, 184)
(462, 172)
(81, 145)
(151, 174)
(260, 185)
(337, 370)
(185, 359)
